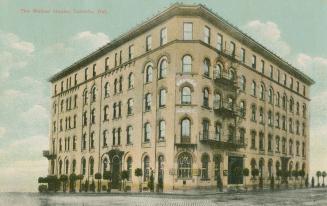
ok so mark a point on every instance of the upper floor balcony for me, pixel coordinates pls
(226, 108)
(216, 140)
(226, 80)
(47, 154)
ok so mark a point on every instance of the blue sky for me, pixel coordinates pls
(35, 46)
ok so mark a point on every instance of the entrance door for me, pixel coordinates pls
(115, 172)
(235, 170)
(160, 173)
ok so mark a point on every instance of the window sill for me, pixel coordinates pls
(162, 106)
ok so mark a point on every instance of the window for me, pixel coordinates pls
(285, 79)
(115, 86)
(85, 75)
(262, 92)
(217, 101)
(284, 122)
(206, 35)
(130, 52)
(277, 99)
(106, 63)
(291, 83)
(303, 149)
(290, 144)
(120, 84)
(284, 145)
(230, 103)
(297, 108)
(91, 166)
(84, 97)
(278, 76)
(277, 144)
(218, 132)
(242, 109)
(231, 74)
(232, 48)
(205, 97)
(162, 130)
(184, 162)
(130, 80)
(162, 98)
(104, 138)
(92, 140)
(205, 129)
(205, 167)
(93, 116)
(270, 96)
(120, 57)
(253, 88)
(84, 141)
(163, 36)
(297, 148)
(146, 168)
(270, 121)
(206, 65)
(94, 73)
(186, 128)
(262, 68)
(304, 110)
(242, 83)
(242, 55)
(254, 61)
(84, 119)
(253, 113)
(163, 68)
(261, 141)
(284, 102)
(187, 64)
(253, 137)
(186, 95)
(297, 127)
(291, 106)
(129, 168)
(83, 166)
(129, 134)
(242, 135)
(116, 59)
(74, 166)
(303, 129)
(261, 115)
(115, 110)
(271, 72)
(219, 42)
(130, 104)
(106, 113)
(147, 132)
(148, 74)
(188, 31)
(217, 71)
(148, 43)
(148, 102)
(303, 90)
(231, 133)
(94, 94)
(270, 139)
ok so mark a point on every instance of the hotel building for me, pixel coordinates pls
(186, 96)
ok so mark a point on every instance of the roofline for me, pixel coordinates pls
(190, 10)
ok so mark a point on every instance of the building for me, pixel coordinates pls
(185, 95)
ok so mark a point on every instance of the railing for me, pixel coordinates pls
(226, 108)
(216, 140)
(225, 79)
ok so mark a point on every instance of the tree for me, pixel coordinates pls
(64, 180)
(107, 176)
(139, 173)
(98, 177)
(254, 173)
(312, 182)
(318, 174)
(72, 180)
(301, 174)
(124, 177)
(323, 174)
(80, 177)
(246, 173)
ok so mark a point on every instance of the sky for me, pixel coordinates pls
(34, 46)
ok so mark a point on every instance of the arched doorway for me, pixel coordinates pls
(115, 168)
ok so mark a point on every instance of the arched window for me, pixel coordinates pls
(261, 115)
(218, 132)
(206, 65)
(187, 64)
(205, 168)
(130, 80)
(186, 95)
(148, 102)
(147, 132)
(74, 167)
(129, 168)
(261, 167)
(270, 96)
(162, 130)
(205, 129)
(254, 88)
(148, 74)
(115, 86)
(91, 166)
(230, 103)
(297, 108)
(67, 166)
(217, 160)
(94, 94)
(277, 167)
(85, 97)
(261, 141)
(184, 162)
(60, 167)
(93, 116)
(160, 167)
(217, 101)
(162, 97)
(270, 167)
(206, 97)
(253, 164)
(242, 109)
(262, 92)
(290, 125)
(242, 83)
(285, 102)
(304, 110)
(130, 104)
(217, 71)
(92, 140)
(83, 166)
(253, 112)
(231, 74)
(277, 99)
(270, 120)
(105, 165)
(106, 113)
(106, 89)
(104, 138)
(290, 144)
(146, 168)
(186, 128)
(163, 68)
(291, 104)
(129, 134)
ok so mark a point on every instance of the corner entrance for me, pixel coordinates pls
(235, 170)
